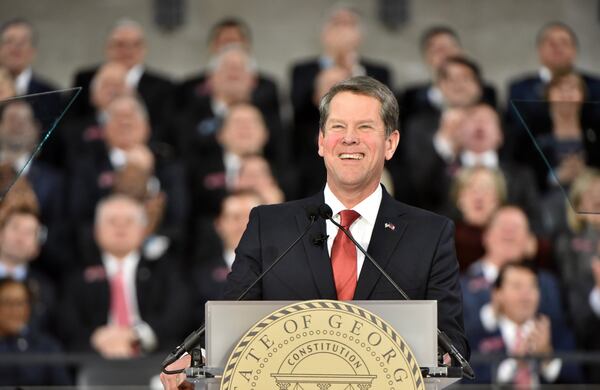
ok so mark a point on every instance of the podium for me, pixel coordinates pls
(322, 345)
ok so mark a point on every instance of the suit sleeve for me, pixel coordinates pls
(248, 263)
(444, 286)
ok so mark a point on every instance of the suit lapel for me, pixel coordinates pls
(317, 256)
(389, 228)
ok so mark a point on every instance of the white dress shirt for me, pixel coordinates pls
(508, 368)
(487, 159)
(362, 228)
(132, 79)
(130, 263)
(22, 81)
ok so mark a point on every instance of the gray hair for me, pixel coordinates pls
(137, 101)
(216, 61)
(114, 198)
(368, 86)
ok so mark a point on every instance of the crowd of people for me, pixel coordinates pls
(126, 222)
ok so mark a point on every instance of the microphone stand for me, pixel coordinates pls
(326, 213)
(190, 342)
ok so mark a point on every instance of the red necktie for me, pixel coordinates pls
(119, 309)
(343, 258)
(523, 377)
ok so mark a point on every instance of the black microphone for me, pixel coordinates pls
(194, 338)
(326, 213)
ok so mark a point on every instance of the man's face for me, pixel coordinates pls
(16, 48)
(481, 132)
(126, 126)
(126, 46)
(459, 86)
(14, 309)
(556, 50)
(18, 129)
(439, 48)
(519, 295)
(232, 221)
(508, 236)
(19, 239)
(353, 143)
(119, 229)
(244, 131)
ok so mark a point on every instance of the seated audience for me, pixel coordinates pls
(122, 304)
(569, 146)
(18, 337)
(507, 239)
(511, 324)
(557, 49)
(233, 78)
(243, 133)
(126, 45)
(125, 144)
(21, 236)
(437, 44)
(19, 138)
(577, 253)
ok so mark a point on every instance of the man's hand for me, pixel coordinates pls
(539, 340)
(177, 381)
(114, 342)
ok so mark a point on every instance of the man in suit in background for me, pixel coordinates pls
(123, 304)
(510, 324)
(557, 49)
(358, 134)
(126, 45)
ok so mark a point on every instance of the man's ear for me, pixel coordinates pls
(392, 144)
(320, 143)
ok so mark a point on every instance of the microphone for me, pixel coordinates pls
(326, 213)
(194, 338)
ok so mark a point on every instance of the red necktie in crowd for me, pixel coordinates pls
(343, 258)
(119, 309)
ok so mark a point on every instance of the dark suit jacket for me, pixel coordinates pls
(155, 90)
(486, 342)
(418, 254)
(162, 298)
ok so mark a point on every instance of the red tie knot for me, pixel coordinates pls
(347, 218)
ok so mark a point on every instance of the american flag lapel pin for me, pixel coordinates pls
(391, 226)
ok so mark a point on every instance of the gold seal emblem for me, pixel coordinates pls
(321, 345)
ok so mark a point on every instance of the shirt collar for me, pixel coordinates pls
(18, 273)
(435, 97)
(487, 159)
(368, 208)
(545, 74)
(118, 157)
(22, 81)
(229, 257)
(112, 263)
(490, 271)
(134, 75)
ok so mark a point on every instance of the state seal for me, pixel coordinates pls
(322, 344)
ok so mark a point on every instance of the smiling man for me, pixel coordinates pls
(358, 133)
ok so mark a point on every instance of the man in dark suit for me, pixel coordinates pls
(557, 48)
(358, 134)
(123, 304)
(511, 325)
(126, 45)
